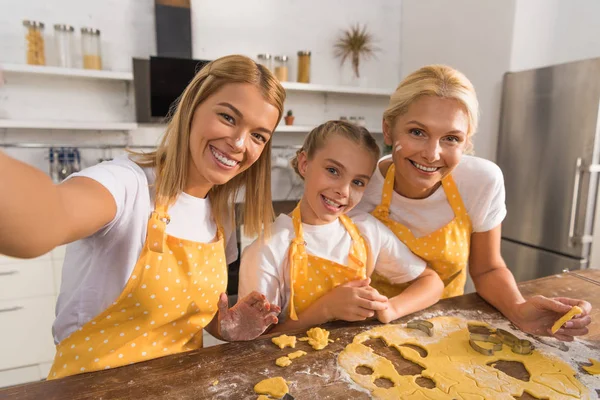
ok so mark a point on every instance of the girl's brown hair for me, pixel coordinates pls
(171, 158)
(317, 138)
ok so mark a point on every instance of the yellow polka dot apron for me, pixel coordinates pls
(311, 276)
(445, 250)
(171, 295)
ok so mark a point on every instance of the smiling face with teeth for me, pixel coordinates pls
(229, 131)
(428, 141)
(335, 179)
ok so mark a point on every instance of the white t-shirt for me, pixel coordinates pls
(265, 268)
(481, 187)
(97, 268)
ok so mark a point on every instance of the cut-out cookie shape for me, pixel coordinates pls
(318, 338)
(565, 318)
(284, 341)
(458, 371)
(593, 369)
(287, 360)
(274, 387)
(283, 361)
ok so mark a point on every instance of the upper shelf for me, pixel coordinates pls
(306, 129)
(67, 125)
(315, 87)
(119, 126)
(66, 72)
(128, 76)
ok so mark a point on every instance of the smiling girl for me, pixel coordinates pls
(316, 264)
(149, 234)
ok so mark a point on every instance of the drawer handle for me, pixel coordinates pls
(7, 273)
(10, 309)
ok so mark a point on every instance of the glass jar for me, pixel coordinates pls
(304, 66)
(90, 48)
(266, 60)
(34, 38)
(63, 36)
(281, 68)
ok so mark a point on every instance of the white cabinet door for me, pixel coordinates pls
(26, 334)
(26, 279)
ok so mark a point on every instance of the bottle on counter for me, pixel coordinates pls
(34, 38)
(90, 48)
(53, 164)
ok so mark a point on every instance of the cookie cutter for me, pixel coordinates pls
(523, 347)
(517, 345)
(474, 327)
(499, 338)
(479, 337)
(422, 325)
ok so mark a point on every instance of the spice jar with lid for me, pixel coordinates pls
(281, 68)
(90, 48)
(34, 38)
(266, 60)
(304, 66)
(63, 36)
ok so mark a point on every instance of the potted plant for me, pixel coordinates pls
(355, 44)
(289, 118)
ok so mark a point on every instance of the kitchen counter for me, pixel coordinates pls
(238, 366)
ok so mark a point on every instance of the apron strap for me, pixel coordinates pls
(454, 197)
(298, 258)
(157, 226)
(357, 258)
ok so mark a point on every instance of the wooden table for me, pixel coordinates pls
(238, 366)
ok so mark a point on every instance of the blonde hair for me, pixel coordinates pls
(172, 156)
(317, 138)
(435, 80)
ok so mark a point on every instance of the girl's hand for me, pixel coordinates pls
(539, 313)
(388, 315)
(248, 319)
(353, 301)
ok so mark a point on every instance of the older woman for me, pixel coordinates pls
(446, 206)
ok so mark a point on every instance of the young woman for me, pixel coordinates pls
(146, 267)
(446, 206)
(317, 262)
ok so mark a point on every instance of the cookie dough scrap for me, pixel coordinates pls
(274, 387)
(262, 397)
(593, 369)
(283, 361)
(318, 338)
(284, 341)
(287, 360)
(565, 318)
(458, 371)
(296, 354)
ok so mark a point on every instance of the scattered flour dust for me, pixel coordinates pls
(573, 353)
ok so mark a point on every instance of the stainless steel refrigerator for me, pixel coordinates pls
(548, 151)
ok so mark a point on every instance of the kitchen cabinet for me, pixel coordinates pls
(28, 293)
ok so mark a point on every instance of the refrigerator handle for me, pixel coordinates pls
(592, 169)
(574, 201)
